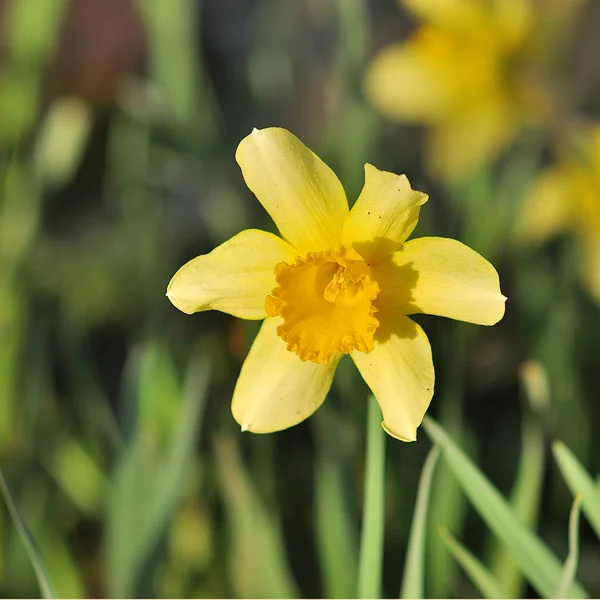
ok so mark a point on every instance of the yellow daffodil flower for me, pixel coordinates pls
(566, 197)
(458, 73)
(337, 282)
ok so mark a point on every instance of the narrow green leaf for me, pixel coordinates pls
(370, 563)
(173, 469)
(570, 566)
(60, 558)
(160, 400)
(337, 552)
(126, 519)
(578, 480)
(34, 556)
(150, 478)
(533, 557)
(256, 557)
(335, 531)
(527, 490)
(414, 569)
(481, 578)
(448, 505)
(13, 316)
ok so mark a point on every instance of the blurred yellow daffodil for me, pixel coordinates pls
(337, 282)
(458, 73)
(566, 197)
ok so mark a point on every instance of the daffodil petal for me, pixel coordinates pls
(414, 81)
(399, 371)
(300, 192)
(469, 141)
(440, 276)
(235, 277)
(548, 207)
(275, 389)
(458, 16)
(384, 215)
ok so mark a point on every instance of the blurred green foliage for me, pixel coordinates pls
(118, 125)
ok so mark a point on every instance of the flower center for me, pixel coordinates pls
(326, 302)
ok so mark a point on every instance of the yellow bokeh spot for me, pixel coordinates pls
(326, 302)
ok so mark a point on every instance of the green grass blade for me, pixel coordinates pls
(172, 471)
(151, 475)
(13, 316)
(533, 557)
(34, 556)
(256, 556)
(373, 519)
(127, 509)
(481, 578)
(570, 566)
(335, 531)
(414, 570)
(337, 552)
(60, 558)
(578, 480)
(448, 505)
(527, 490)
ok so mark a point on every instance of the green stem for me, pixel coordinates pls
(371, 543)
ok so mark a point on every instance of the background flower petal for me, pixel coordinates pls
(470, 139)
(275, 389)
(400, 373)
(300, 192)
(548, 208)
(384, 215)
(414, 81)
(234, 278)
(440, 276)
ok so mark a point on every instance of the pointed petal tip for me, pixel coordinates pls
(411, 438)
(423, 196)
(495, 315)
(245, 427)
